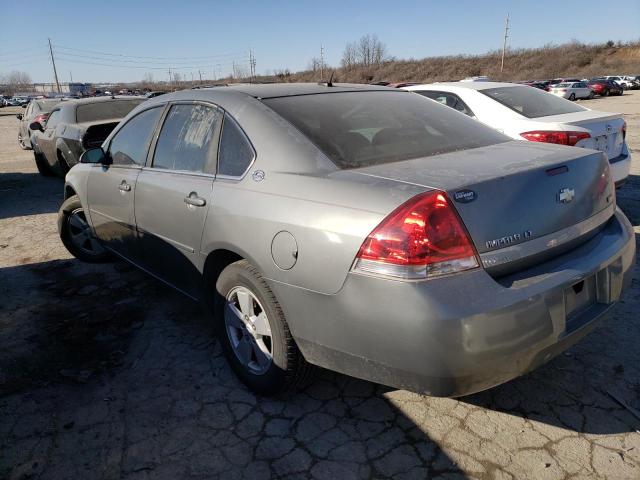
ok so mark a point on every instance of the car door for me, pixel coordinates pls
(25, 121)
(173, 194)
(111, 188)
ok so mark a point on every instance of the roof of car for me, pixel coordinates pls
(467, 85)
(271, 90)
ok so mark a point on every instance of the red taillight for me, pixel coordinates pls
(41, 118)
(423, 237)
(561, 138)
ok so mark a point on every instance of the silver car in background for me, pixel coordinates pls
(362, 229)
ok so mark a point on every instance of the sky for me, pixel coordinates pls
(124, 41)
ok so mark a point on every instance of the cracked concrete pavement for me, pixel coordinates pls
(106, 373)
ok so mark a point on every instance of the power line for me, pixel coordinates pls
(95, 52)
(163, 64)
(143, 67)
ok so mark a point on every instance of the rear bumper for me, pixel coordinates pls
(463, 333)
(620, 167)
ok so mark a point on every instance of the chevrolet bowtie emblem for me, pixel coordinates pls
(566, 195)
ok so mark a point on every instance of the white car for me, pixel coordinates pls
(623, 81)
(572, 91)
(527, 113)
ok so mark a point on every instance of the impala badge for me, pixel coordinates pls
(566, 195)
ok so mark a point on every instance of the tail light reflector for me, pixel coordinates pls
(422, 238)
(559, 137)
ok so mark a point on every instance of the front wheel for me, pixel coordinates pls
(591, 95)
(605, 93)
(76, 235)
(572, 97)
(22, 143)
(254, 334)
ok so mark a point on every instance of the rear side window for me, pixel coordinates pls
(448, 99)
(531, 102)
(187, 139)
(236, 153)
(106, 110)
(360, 128)
(129, 145)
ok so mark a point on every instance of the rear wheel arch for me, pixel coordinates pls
(69, 191)
(216, 262)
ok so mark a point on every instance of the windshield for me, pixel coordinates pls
(359, 129)
(91, 112)
(531, 102)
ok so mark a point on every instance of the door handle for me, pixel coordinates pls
(124, 187)
(195, 200)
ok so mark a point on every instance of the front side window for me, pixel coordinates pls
(130, 144)
(53, 119)
(364, 128)
(531, 102)
(187, 139)
(236, 153)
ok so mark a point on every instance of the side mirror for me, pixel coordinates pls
(19, 116)
(36, 126)
(24, 105)
(95, 156)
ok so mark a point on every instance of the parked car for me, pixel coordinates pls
(605, 87)
(525, 113)
(556, 81)
(621, 80)
(572, 91)
(74, 126)
(337, 225)
(154, 94)
(37, 111)
(542, 85)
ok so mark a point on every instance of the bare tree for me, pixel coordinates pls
(365, 52)
(17, 81)
(315, 64)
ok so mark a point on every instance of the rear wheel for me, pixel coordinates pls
(572, 97)
(591, 95)
(41, 164)
(254, 333)
(605, 93)
(76, 234)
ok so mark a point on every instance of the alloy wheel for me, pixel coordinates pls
(248, 329)
(80, 233)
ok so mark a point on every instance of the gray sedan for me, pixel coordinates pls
(363, 229)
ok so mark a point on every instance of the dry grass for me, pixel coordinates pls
(572, 59)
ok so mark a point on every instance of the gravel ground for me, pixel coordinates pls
(105, 373)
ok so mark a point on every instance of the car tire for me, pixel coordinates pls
(591, 95)
(62, 163)
(76, 234)
(605, 93)
(23, 145)
(273, 364)
(572, 97)
(41, 164)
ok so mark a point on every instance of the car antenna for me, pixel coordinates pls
(330, 82)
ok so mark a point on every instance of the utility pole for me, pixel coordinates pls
(169, 79)
(504, 44)
(55, 73)
(252, 65)
(70, 77)
(321, 62)
(200, 74)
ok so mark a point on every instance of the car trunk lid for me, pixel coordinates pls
(605, 129)
(513, 193)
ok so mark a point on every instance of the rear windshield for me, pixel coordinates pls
(563, 85)
(92, 112)
(531, 102)
(359, 129)
(46, 106)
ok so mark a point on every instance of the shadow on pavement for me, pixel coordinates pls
(45, 194)
(114, 374)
